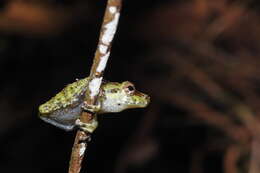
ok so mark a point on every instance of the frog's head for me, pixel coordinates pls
(117, 97)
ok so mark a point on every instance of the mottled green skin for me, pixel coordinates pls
(65, 108)
(67, 97)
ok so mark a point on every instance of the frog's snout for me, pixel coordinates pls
(144, 100)
(147, 98)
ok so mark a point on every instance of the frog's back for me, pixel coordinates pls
(69, 96)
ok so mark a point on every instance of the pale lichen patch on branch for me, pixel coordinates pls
(110, 29)
(102, 48)
(112, 9)
(94, 86)
(103, 62)
(82, 149)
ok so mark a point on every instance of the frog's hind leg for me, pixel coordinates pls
(67, 127)
(89, 127)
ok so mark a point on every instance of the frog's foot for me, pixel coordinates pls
(91, 108)
(87, 127)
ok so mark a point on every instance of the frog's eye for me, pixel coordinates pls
(129, 88)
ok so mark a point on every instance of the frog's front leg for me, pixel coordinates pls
(92, 124)
(92, 108)
(88, 127)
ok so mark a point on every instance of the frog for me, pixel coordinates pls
(64, 109)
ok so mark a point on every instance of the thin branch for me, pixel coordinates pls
(107, 32)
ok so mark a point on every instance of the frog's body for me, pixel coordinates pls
(65, 108)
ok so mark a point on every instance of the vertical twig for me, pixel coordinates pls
(107, 32)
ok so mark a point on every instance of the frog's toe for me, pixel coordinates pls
(87, 127)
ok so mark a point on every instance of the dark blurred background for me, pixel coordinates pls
(197, 59)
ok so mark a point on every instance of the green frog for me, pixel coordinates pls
(64, 109)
